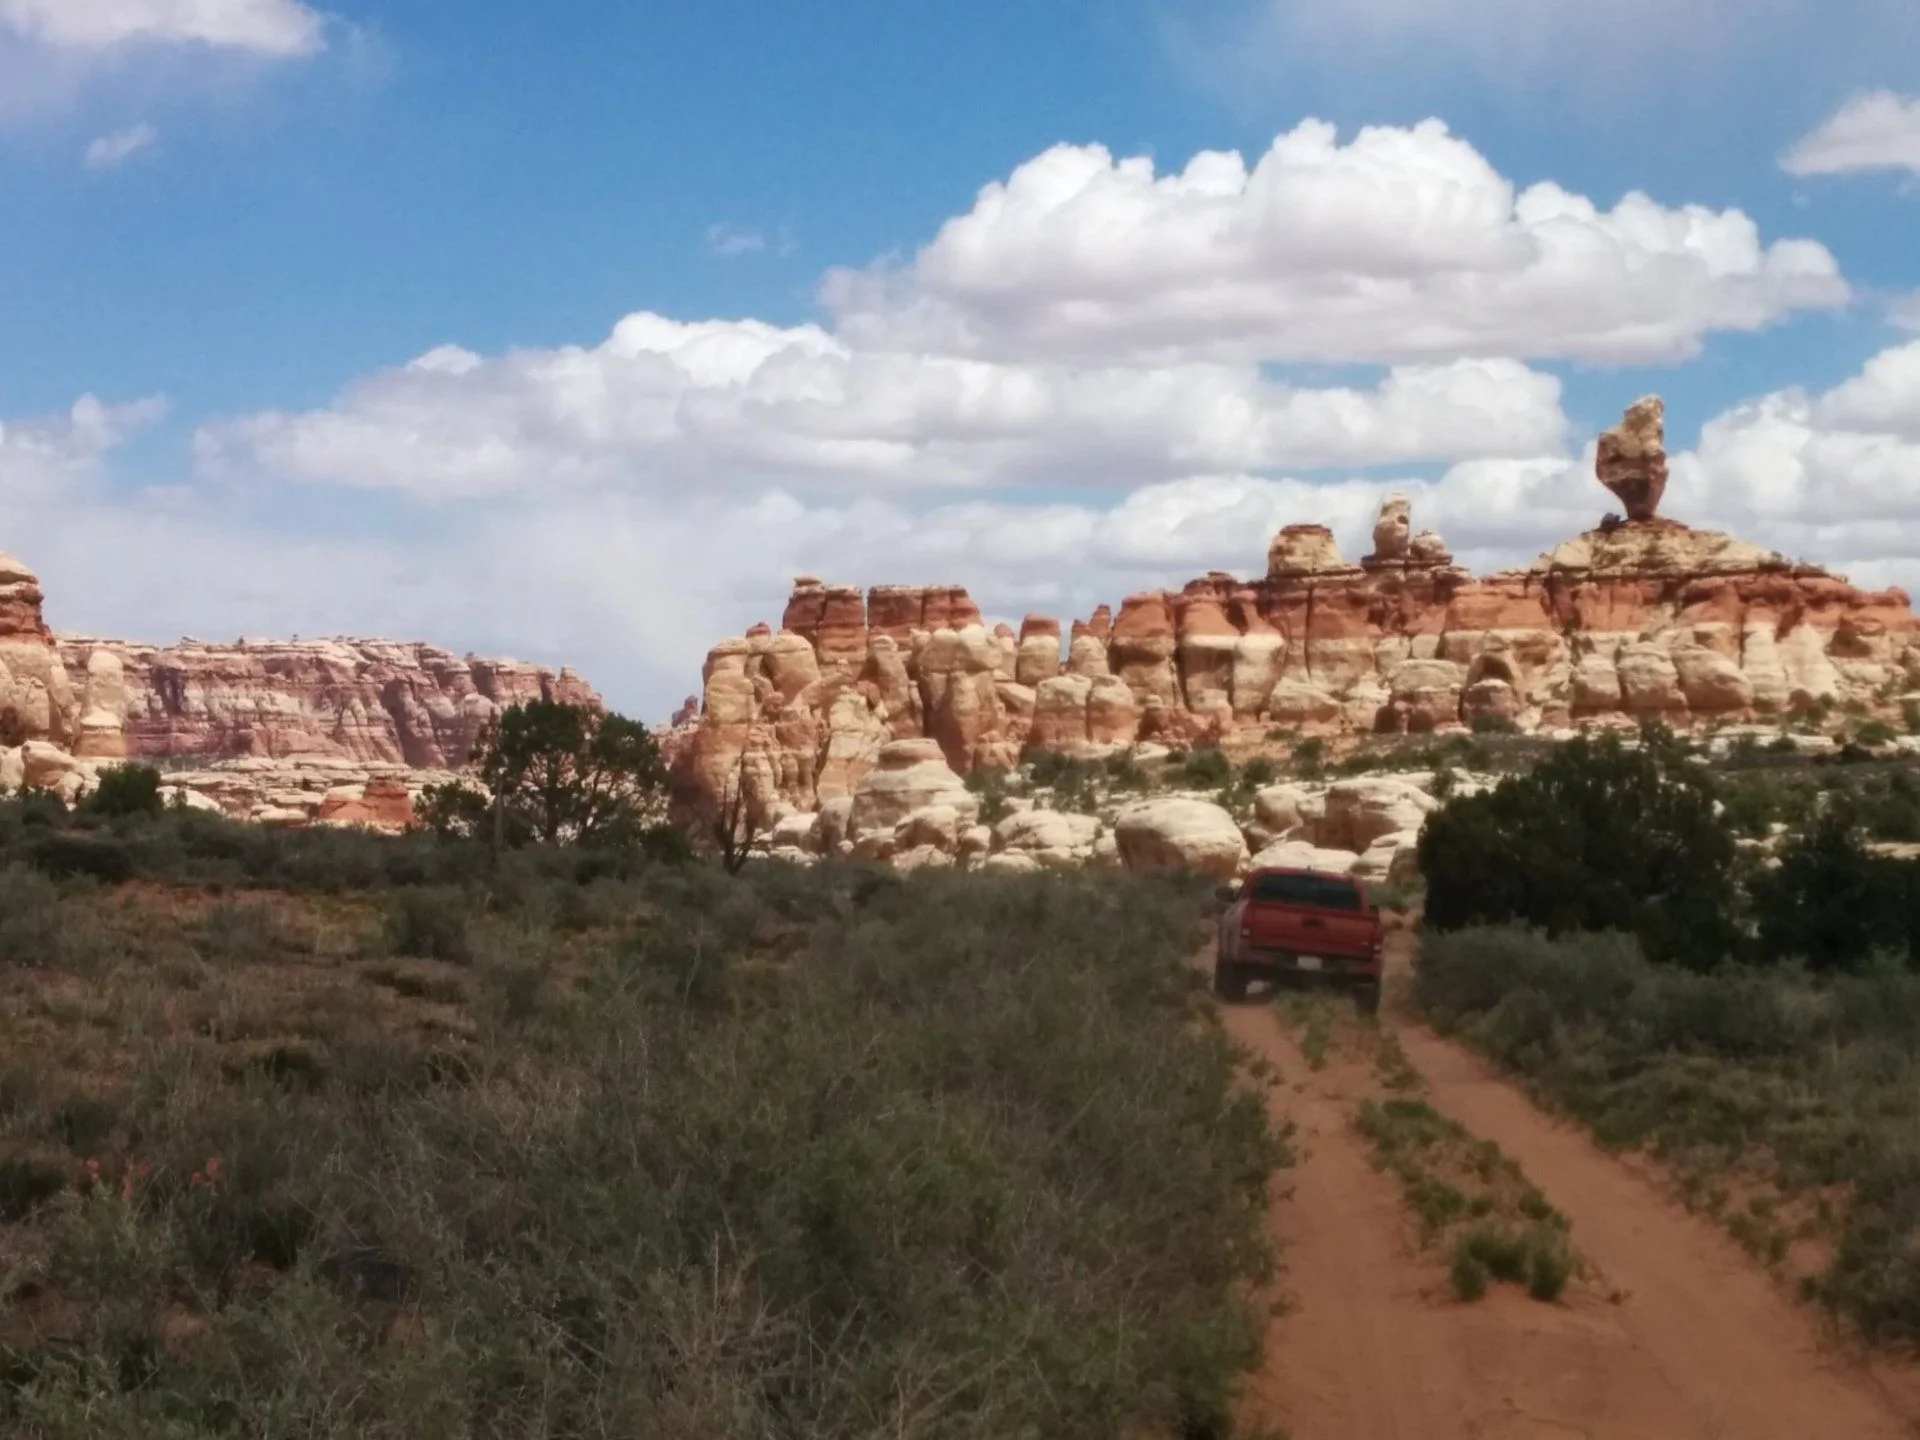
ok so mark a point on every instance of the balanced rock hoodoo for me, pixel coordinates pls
(1637, 619)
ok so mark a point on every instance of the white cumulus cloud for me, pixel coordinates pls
(266, 27)
(632, 583)
(1876, 131)
(109, 152)
(1398, 245)
(720, 405)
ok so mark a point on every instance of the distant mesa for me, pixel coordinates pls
(338, 730)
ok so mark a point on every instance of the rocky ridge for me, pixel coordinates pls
(1642, 618)
(297, 731)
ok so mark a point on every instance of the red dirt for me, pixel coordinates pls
(1694, 1342)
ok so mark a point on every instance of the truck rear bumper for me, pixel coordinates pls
(1296, 971)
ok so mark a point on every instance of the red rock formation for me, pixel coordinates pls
(36, 696)
(382, 804)
(1637, 619)
(1632, 458)
(363, 700)
(288, 731)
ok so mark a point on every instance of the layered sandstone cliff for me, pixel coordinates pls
(371, 701)
(326, 730)
(1642, 618)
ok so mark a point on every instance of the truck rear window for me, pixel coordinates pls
(1322, 892)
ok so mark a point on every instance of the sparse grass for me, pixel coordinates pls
(1785, 1106)
(1470, 1196)
(1397, 1073)
(809, 1153)
(1318, 1017)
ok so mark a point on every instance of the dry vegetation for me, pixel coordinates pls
(327, 1135)
(1788, 1106)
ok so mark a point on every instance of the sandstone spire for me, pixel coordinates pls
(1632, 462)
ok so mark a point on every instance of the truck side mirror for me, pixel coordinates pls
(1226, 894)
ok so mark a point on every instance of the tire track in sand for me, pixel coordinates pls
(1699, 1345)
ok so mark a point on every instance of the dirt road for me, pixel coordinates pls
(1679, 1337)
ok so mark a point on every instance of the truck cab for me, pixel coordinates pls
(1299, 928)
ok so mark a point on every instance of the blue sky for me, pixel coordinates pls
(237, 229)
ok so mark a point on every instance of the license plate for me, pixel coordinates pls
(1310, 962)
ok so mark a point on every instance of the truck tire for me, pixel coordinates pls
(1368, 998)
(1228, 982)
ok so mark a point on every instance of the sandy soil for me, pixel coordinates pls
(1678, 1336)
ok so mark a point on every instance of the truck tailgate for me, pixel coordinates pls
(1310, 932)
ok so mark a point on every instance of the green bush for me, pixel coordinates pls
(1468, 1273)
(990, 785)
(1832, 905)
(1206, 767)
(1874, 733)
(1596, 836)
(1260, 770)
(126, 790)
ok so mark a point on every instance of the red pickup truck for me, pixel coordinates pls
(1298, 927)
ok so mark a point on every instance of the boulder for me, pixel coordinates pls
(934, 826)
(1302, 855)
(1391, 859)
(1278, 808)
(46, 766)
(1362, 810)
(1180, 834)
(908, 776)
(1052, 838)
(801, 832)
(1632, 458)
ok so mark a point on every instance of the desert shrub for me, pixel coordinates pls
(1596, 836)
(1891, 811)
(1049, 767)
(1874, 733)
(238, 931)
(1309, 755)
(27, 1182)
(1805, 1087)
(1468, 1273)
(990, 785)
(430, 924)
(1910, 716)
(1832, 905)
(1260, 770)
(66, 854)
(31, 922)
(1124, 771)
(964, 1139)
(126, 790)
(1206, 767)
